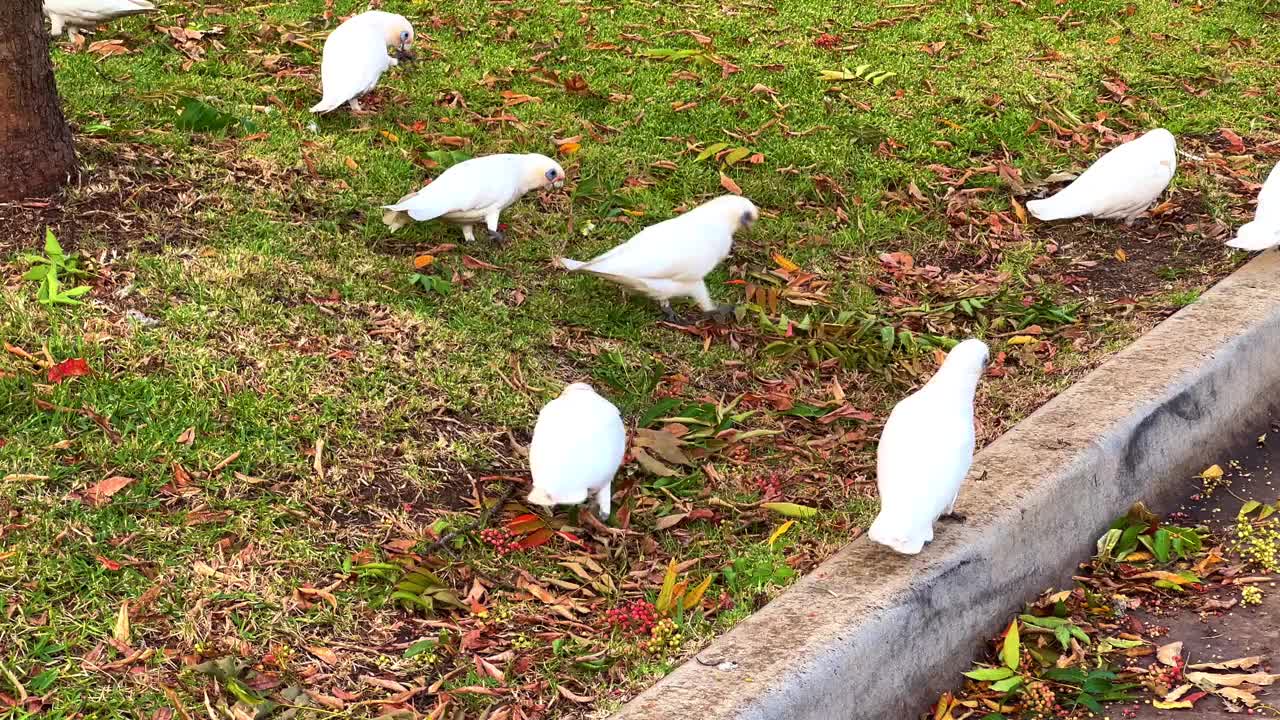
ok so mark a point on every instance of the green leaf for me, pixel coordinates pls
(790, 509)
(711, 150)
(1011, 654)
(1008, 685)
(668, 588)
(1250, 507)
(736, 156)
(1090, 702)
(37, 273)
(1161, 545)
(887, 337)
(662, 407)
(989, 674)
(51, 246)
(1063, 636)
(420, 647)
(199, 116)
(1049, 623)
(1073, 676)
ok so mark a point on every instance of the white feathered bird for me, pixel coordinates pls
(75, 14)
(671, 259)
(1264, 231)
(355, 56)
(926, 450)
(577, 448)
(476, 191)
(1120, 185)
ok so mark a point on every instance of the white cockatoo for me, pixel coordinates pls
(1120, 185)
(476, 191)
(1264, 231)
(73, 15)
(672, 259)
(925, 451)
(577, 448)
(355, 56)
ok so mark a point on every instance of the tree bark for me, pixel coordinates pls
(37, 156)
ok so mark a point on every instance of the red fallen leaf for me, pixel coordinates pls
(525, 524)
(109, 564)
(727, 183)
(536, 539)
(98, 494)
(571, 537)
(74, 367)
(1237, 144)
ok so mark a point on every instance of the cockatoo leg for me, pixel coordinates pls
(491, 222)
(603, 501)
(55, 25)
(469, 233)
(355, 105)
(667, 312)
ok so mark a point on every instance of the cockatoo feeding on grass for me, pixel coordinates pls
(1264, 231)
(476, 191)
(355, 56)
(577, 448)
(72, 15)
(925, 452)
(672, 259)
(1120, 185)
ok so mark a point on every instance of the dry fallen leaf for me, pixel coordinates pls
(121, 630)
(1169, 654)
(1204, 679)
(327, 656)
(99, 493)
(1238, 664)
(727, 183)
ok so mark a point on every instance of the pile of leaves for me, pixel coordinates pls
(1074, 651)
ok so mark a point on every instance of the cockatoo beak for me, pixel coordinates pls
(558, 184)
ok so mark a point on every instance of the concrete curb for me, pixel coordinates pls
(872, 635)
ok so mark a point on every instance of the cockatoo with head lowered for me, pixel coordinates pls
(1120, 185)
(355, 56)
(1264, 231)
(75, 14)
(672, 259)
(577, 448)
(926, 450)
(476, 191)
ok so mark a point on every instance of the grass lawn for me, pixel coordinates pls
(295, 420)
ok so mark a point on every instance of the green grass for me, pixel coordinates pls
(286, 317)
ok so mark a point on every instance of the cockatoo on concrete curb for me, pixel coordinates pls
(475, 191)
(355, 56)
(75, 14)
(577, 448)
(1120, 185)
(925, 451)
(672, 259)
(1264, 231)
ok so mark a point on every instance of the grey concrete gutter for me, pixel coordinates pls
(872, 635)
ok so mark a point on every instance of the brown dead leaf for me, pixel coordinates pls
(648, 462)
(727, 183)
(569, 695)
(670, 521)
(121, 630)
(1169, 654)
(1243, 697)
(327, 656)
(1205, 679)
(666, 445)
(107, 48)
(97, 495)
(351, 163)
(187, 437)
(1243, 663)
(475, 264)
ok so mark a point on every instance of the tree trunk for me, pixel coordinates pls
(37, 156)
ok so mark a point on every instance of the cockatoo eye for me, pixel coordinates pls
(748, 218)
(404, 36)
(552, 174)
